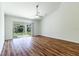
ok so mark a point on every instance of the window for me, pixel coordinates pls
(21, 29)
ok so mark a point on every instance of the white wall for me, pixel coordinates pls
(63, 23)
(37, 28)
(9, 25)
(1, 28)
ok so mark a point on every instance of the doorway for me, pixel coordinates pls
(21, 29)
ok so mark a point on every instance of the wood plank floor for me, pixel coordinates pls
(39, 46)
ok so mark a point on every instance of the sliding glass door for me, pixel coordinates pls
(21, 29)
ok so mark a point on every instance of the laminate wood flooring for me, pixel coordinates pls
(39, 46)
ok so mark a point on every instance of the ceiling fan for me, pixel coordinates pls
(38, 13)
(38, 16)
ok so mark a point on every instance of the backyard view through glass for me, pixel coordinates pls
(21, 30)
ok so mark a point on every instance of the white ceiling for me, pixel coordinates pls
(27, 9)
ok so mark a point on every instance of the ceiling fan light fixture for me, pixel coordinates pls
(37, 15)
